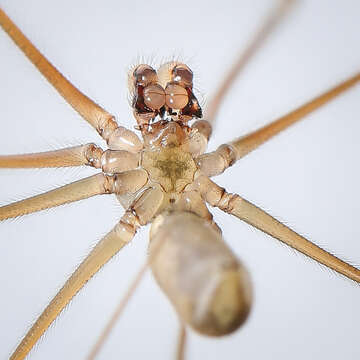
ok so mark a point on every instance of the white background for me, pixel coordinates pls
(308, 177)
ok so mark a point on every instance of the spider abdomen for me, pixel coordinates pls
(208, 286)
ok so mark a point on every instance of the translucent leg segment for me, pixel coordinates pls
(216, 162)
(260, 37)
(88, 154)
(94, 114)
(118, 311)
(145, 207)
(253, 215)
(78, 190)
(181, 345)
(114, 241)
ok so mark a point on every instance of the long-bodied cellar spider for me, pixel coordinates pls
(290, 69)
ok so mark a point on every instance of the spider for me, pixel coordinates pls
(228, 124)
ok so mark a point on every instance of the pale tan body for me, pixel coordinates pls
(156, 201)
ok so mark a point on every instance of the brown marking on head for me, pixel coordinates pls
(175, 81)
(148, 95)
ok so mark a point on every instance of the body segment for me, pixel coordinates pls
(206, 283)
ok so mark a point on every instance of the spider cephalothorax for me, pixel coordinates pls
(163, 104)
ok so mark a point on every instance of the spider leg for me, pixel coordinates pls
(125, 182)
(95, 115)
(114, 241)
(118, 311)
(257, 41)
(181, 345)
(88, 154)
(145, 207)
(253, 215)
(78, 190)
(214, 163)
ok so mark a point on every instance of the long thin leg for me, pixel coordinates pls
(216, 162)
(88, 154)
(78, 190)
(145, 208)
(181, 345)
(140, 212)
(95, 115)
(115, 240)
(118, 311)
(253, 215)
(261, 35)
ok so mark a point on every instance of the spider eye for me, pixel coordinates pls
(182, 75)
(154, 96)
(144, 75)
(176, 96)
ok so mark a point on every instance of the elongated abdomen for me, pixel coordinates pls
(206, 283)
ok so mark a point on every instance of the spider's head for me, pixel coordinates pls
(165, 95)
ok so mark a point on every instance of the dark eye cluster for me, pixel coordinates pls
(171, 95)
